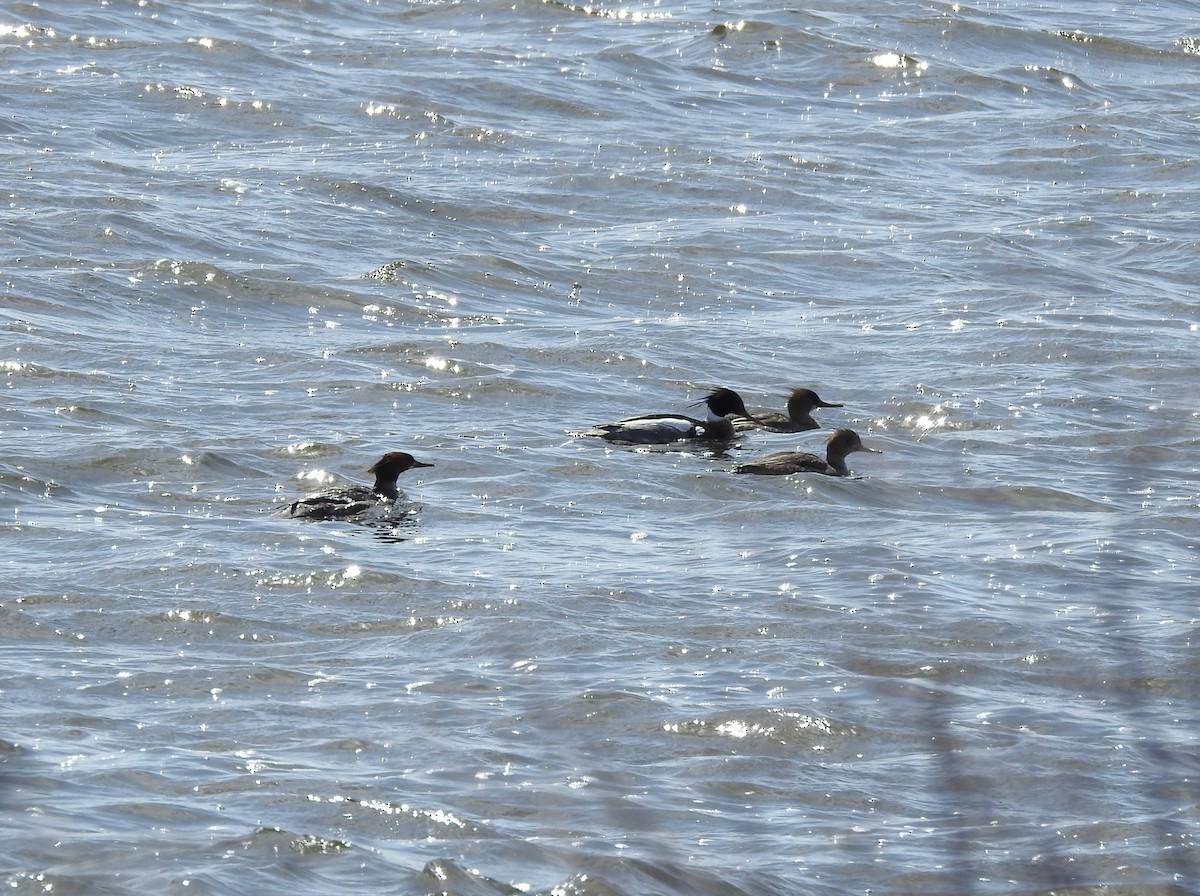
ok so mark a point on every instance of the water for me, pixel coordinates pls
(248, 249)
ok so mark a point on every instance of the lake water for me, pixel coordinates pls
(249, 248)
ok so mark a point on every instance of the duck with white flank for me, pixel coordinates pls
(348, 503)
(663, 429)
(800, 405)
(841, 443)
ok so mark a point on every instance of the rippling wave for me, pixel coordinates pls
(247, 253)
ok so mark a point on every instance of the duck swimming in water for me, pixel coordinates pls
(841, 443)
(347, 503)
(663, 429)
(800, 405)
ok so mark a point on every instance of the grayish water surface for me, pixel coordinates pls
(249, 248)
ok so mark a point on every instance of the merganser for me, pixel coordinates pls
(662, 429)
(841, 443)
(345, 503)
(800, 405)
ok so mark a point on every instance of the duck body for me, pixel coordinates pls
(663, 429)
(338, 504)
(356, 501)
(800, 405)
(784, 463)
